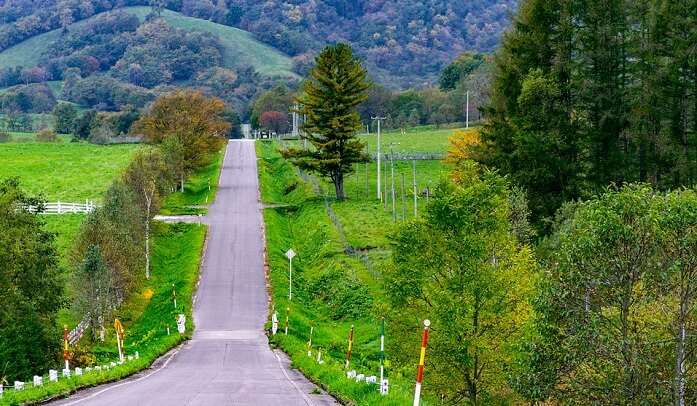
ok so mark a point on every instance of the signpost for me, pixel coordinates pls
(290, 254)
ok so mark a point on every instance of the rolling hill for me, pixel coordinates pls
(239, 46)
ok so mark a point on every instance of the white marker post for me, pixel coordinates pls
(290, 254)
(274, 323)
(382, 353)
(309, 343)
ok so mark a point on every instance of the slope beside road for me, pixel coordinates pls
(228, 361)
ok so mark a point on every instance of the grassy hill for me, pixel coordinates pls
(239, 46)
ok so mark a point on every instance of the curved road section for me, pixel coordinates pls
(228, 361)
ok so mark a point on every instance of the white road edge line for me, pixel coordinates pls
(280, 364)
(125, 383)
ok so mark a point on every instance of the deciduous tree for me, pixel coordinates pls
(196, 121)
(461, 266)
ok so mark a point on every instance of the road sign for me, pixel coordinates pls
(290, 254)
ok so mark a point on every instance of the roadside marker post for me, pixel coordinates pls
(309, 343)
(66, 353)
(174, 296)
(290, 254)
(119, 338)
(319, 356)
(274, 323)
(420, 370)
(350, 347)
(382, 353)
(52, 375)
(287, 314)
(38, 380)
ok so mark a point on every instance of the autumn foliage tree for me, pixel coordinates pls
(274, 121)
(193, 120)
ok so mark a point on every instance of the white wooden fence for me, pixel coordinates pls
(66, 208)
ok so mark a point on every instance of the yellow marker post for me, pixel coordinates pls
(119, 337)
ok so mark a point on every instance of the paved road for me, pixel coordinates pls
(228, 361)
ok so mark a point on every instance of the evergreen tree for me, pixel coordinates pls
(591, 93)
(337, 85)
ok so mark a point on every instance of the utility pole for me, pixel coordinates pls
(404, 203)
(394, 208)
(467, 110)
(296, 121)
(305, 138)
(379, 120)
(413, 165)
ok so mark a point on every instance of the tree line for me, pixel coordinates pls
(586, 94)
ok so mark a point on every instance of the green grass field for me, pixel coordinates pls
(417, 139)
(146, 315)
(239, 46)
(68, 172)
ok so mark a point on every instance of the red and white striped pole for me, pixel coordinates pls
(350, 347)
(420, 370)
(66, 353)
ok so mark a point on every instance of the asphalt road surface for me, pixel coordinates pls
(228, 361)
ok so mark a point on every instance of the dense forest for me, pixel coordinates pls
(588, 94)
(403, 42)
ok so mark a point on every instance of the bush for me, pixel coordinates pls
(346, 298)
(5, 137)
(46, 135)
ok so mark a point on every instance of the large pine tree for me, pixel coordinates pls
(336, 86)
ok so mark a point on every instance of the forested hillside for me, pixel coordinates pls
(402, 41)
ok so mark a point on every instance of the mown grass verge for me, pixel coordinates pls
(177, 250)
(199, 190)
(330, 289)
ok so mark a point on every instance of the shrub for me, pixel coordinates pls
(5, 137)
(46, 135)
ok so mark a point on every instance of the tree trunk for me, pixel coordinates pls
(680, 357)
(147, 247)
(339, 186)
(181, 181)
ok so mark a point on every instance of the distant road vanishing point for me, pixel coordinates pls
(228, 361)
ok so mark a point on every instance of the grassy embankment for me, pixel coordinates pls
(146, 314)
(333, 290)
